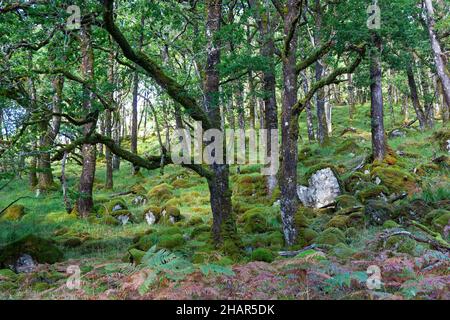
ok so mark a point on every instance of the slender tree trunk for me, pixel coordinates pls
(415, 98)
(85, 202)
(109, 182)
(437, 51)
(252, 100)
(269, 97)
(427, 98)
(377, 117)
(116, 137)
(289, 129)
(223, 226)
(134, 105)
(309, 115)
(322, 129)
(33, 179)
(351, 97)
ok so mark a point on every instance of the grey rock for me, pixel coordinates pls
(25, 264)
(323, 189)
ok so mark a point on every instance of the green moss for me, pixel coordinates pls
(13, 213)
(72, 242)
(351, 233)
(342, 251)
(348, 146)
(196, 220)
(355, 181)
(109, 220)
(42, 250)
(441, 137)
(160, 193)
(7, 274)
(390, 224)
(395, 179)
(250, 185)
(306, 236)
(275, 239)
(262, 254)
(156, 211)
(112, 206)
(174, 202)
(181, 183)
(170, 215)
(330, 236)
(441, 221)
(231, 248)
(58, 217)
(146, 242)
(300, 218)
(378, 211)
(40, 286)
(170, 241)
(135, 256)
(346, 201)
(338, 221)
(200, 229)
(138, 189)
(401, 244)
(371, 191)
(254, 221)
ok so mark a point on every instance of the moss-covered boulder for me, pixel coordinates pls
(254, 221)
(395, 179)
(13, 213)
(138, 189)
(401, 244)
(262, 254)
(40, 249)
(348, 146)
(134, 256)
(194, 221)
(338, 221)
(171, 241)
(442, 137)
(170, 215)
(301, 217)
(371, 191)
(249, 186)
(342, 251)
(390, 224)
(181, 183)
(330, 236)
(441, 220)
(306, 236)
(378, 211)
(152, 214)
(356, 181)
(160, 193)
(112, 206)
(346, 201)
(415, 209)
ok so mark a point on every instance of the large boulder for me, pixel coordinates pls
(323, 189)
(24, 252)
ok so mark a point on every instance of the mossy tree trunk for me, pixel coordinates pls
(89, 152)
(377, 116)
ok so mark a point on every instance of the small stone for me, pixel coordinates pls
(25, 264)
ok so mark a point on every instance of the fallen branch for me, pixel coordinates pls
(17, 200)
(443, 247)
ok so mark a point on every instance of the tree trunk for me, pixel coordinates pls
(109, 182)
(269, 97)
(134, 105)
(377, 117)
(415, 98)
(437, 51)
(309, 115)
(252, 100)
(223, 226)
(289, 131)
(116, 137)
(351, 97)
(322, 129)
(85, 202)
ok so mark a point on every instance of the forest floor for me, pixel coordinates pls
(178, 261)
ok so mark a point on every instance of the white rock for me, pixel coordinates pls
(150, 218)
(123, 219)
(322, 191)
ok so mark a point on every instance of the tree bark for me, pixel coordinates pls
(220, 193)
(85, 202)
(415, 98)
(109, 182)
(289, 127)
(377, 117)
(134, 105)
(437, 51)
(269, 97)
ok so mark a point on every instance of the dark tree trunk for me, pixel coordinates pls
(85, 202)
(220, 193)
(415, 98)
(351, 97)
(116, 137)
(33, 178)
(289, 129)
(377, 117)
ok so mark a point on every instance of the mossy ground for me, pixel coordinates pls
(100, 241)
